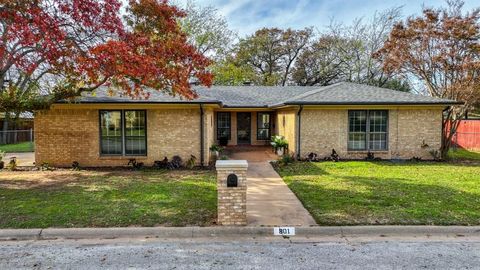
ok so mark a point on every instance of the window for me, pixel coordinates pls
(123, 133)
(223, 125)
(367, 130)
(263, 126)
(111, 132)
(135, 131)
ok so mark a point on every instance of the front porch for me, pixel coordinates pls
(250, 153)
(244, 127)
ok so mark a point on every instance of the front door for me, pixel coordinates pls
(244, 130)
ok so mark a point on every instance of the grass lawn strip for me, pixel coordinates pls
(365, 193)
(66, 198)
(463, 154)
(18, 147)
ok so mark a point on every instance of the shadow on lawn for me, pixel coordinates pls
(61, 178)
(373, 200)
(54, 179)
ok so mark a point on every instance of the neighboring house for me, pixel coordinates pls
(103, 130)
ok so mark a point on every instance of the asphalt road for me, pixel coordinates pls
(252, 254)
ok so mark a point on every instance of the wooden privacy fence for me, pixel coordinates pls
(467, 135)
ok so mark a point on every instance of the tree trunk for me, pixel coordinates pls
(449, 128)
(6, 119)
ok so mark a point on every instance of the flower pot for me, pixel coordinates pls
(280, 151)
(223, 141)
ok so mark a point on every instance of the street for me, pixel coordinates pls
(453, 253)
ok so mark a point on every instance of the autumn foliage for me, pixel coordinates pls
(154, 53)
(73, 45)
(441, 49)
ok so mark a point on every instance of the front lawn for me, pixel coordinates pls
(66, 198)
(17, 147)
(463, 154)
(360, 192)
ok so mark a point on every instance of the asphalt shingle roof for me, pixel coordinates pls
(352, 94)
(271, 96)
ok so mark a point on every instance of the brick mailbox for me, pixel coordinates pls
(232, 192)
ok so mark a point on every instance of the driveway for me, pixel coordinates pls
(269, 200)
(23, 159)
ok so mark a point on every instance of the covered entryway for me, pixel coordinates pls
(269, 200)
(244, 129)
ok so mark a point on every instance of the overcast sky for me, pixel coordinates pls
(245, 16)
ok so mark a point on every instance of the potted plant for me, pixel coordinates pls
(223, 141)
(2, 163)
(216, 150)
(279, 144)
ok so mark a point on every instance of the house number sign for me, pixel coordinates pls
(285, 231)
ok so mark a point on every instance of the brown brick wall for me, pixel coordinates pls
(232, 201)
(410, 130)
(286, 126)
(66, 135)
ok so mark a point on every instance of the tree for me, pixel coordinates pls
(63, 47)
(271, 52)
(345, 53)
(40, 39)
(227, 72)
(321, 63)
(207, 30)
(78, 45)
(357, 44)
(153, 52)
(440, 49)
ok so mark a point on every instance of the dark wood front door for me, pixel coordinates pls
(244, 130)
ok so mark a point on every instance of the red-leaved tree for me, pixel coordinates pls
(441, 49)
(153, 52)
(72, 45)
(63, 47)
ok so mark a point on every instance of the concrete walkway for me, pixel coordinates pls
(23, 159)
(269, 200)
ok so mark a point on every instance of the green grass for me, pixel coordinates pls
(463, 154)
(107, 199)
(18, 147)
(358, 192)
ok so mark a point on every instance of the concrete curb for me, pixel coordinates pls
(233, 232)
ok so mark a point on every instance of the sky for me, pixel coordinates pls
(246, 16)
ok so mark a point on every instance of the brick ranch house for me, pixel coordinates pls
(104, 130)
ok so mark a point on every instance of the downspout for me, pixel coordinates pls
(443, 132)
(202, 150)
(299, 116)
